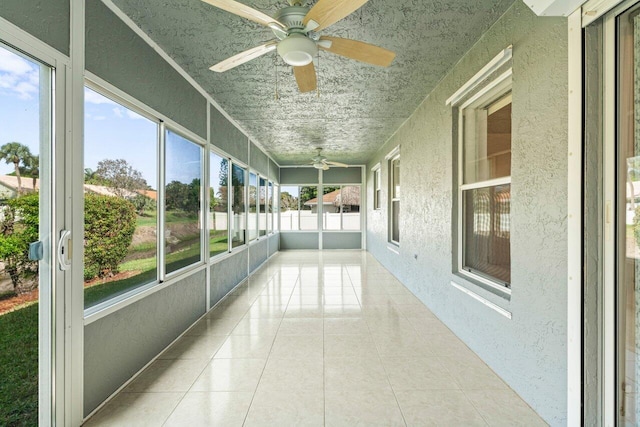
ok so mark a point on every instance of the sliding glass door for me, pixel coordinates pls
(628, 228)
(26, 291)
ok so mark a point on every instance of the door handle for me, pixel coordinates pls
(64, 250)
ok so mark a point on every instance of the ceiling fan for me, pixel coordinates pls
(321, 162)
(297, 28)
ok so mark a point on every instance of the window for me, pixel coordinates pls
(298, 208)
(262, 206)
(253, 207)
(270, 207)
(120, 184)
(183, 201)
(394, 205)
(485, 186)
(218, 205)
(239, 227)
(276, 207)
(341, 207)
(376, 187)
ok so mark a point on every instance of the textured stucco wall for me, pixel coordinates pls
(258, 253)
(258, 160)
(299, 240)
(116, 54)
(227, 137)
(120, 344)
(352, 175)
(298, 176)
(529, 351)
(48, 20)
(341, 240)
(274, 171)
(274, 244)
(227, 273)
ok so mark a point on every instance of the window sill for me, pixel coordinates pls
(483, 300)
(393, 248)
(486, 284)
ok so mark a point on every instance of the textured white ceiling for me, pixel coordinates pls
(360, 106)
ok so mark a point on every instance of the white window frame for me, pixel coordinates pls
(498, 89)
(298, 229)
(390, 158)
(245, 169)
(341, 186)
(377, 188)
(228, 159)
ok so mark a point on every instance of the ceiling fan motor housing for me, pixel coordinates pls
(292, 17)
(295, 47)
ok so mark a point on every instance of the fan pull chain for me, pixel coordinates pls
(318, 77)
(276, 68)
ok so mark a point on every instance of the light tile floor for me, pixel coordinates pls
(318, 338)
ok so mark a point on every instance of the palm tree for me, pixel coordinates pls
(14, 152)
(32, 163)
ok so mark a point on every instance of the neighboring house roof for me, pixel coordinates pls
(350, 196)
(11, 182)
(106, 191)
(327, 199)
(152, 194)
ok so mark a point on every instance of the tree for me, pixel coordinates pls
(14, 152)
(109, 224)
(287, 202)
(32, 163)
(120, 176)
(18, 228)
(308, 193)
(184, 197)
(90, 177)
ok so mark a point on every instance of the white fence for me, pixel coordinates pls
(309, 221)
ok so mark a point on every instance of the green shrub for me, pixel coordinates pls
(636, 225)
(109, 223)
(18, 228)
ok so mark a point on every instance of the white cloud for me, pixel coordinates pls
(99, 118)
(118, 112)
(17, 75)
(95, 98)
(133, 115)
(13, 64)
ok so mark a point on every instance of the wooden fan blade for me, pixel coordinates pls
(338, 164)
(306, 77)
(328, 12)
(243, 57)
(360, 51)
(243, 10)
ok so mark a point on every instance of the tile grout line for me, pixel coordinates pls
(268, 357)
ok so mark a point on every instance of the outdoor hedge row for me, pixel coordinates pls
(109, 223)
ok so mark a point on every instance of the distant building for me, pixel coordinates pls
(9, 188)
(349, 199)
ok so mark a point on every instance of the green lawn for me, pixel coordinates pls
(19, 367)
(99, 293)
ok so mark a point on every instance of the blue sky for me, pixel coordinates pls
(19, 111)
(112, 131)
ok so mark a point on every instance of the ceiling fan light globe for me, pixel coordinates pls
(319, 165)
(297, 50)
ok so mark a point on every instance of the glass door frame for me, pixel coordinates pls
(60, 320)
(614, 214)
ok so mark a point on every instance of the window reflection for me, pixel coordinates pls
(183, 200)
